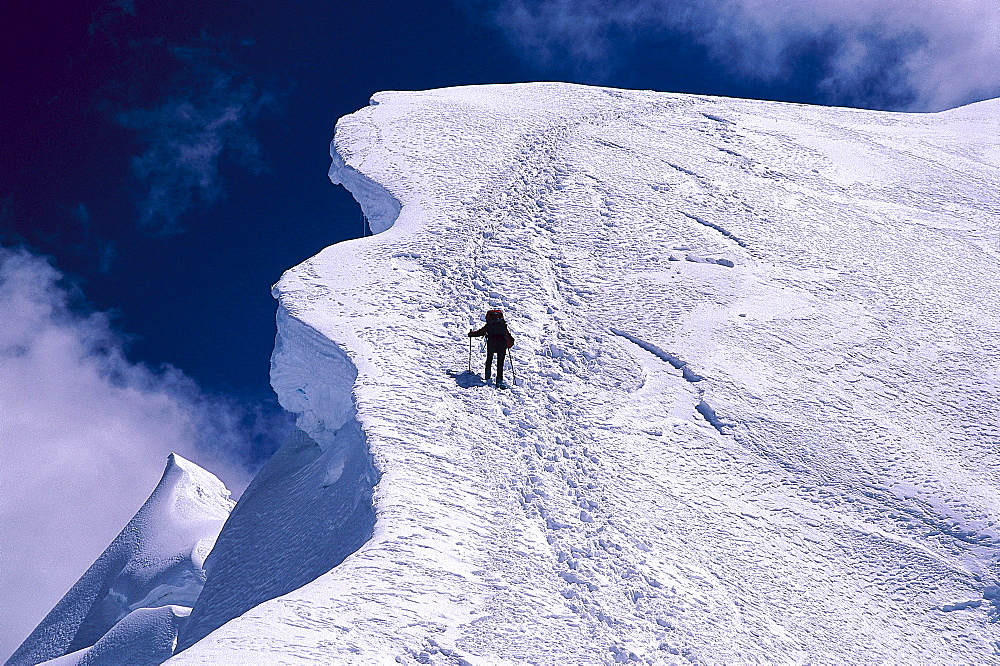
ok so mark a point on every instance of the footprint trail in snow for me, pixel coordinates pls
(756, 411)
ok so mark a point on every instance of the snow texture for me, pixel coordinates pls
(755, 416)
(128, 606)
(311, 504)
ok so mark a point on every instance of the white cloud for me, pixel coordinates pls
(925, 55)
(84, 436)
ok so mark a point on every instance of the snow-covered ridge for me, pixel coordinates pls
(128, 607)
(757, 400)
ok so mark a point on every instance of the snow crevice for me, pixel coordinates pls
(706, 411)
(676, 362)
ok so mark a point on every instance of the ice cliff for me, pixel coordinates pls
(756, 413)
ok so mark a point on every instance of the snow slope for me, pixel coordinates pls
(129, 605)
(756, 410)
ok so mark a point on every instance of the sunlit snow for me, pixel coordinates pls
(128, 607)
(757, 400)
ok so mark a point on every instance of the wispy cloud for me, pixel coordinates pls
(889, 53)
(208, 115)
(84, 435)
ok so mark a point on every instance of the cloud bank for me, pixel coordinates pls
(84, 436)
(208, 115)
(896, 54)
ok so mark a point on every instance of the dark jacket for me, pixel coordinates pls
(496, 334)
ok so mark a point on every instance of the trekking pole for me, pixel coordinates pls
(513, 375)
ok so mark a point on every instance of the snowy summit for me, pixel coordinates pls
(754, 413)
(129, 605)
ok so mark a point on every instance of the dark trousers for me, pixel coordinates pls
(501, 354)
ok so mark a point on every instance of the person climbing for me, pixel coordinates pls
(498, 341)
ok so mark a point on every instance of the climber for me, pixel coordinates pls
(498, 341)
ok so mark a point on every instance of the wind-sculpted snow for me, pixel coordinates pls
(756, 411)
(379, 207)
(128, 606)
(311, 504)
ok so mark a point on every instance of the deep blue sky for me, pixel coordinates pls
(199, 298)
(186, 255)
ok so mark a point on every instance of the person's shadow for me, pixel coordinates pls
(466, 379)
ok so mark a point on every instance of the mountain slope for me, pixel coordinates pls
(129, 604)
(756, 405)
